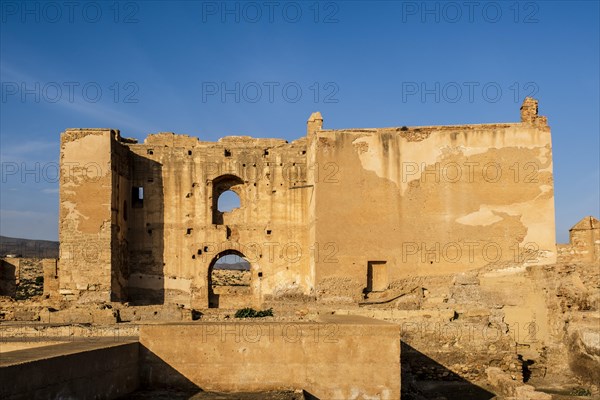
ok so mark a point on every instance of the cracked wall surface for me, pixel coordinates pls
(323, 217)
(432, 200)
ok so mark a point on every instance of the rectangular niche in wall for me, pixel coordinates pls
(377, 276)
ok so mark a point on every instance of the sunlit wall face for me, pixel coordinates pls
(223, 68)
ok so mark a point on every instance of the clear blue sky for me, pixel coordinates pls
(158, 65)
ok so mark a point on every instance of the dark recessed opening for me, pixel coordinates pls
(227, 153)
(260, 274)
(266, 152)
(189, 152)
(188, 231)
(137, 197)
(268, 231)
(150, 151)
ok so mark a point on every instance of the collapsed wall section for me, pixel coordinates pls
(177, 230)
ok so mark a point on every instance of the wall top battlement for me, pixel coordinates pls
(529, 117)
(72, 134)
(170, 139)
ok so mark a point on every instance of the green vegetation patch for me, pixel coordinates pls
(252, 313)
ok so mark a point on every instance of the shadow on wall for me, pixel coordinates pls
(158, 378)
(309, 396)
(146, 285)
(450, 386)
(156, 373)
(8, 278)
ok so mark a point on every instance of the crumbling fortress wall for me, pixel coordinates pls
(143, 225)
(337, 215)
(25, 278)
(447, 231)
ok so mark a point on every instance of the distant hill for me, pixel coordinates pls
(28, 248)
(238, 266)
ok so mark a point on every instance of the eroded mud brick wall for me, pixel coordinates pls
(25, 278)
(139, 222)
(85, 214)
(177, 232)
(399, 202)
(334, 214)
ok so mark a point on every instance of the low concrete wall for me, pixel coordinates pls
(338, 358)
(102, 369)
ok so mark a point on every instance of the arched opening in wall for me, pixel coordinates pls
(226, 197)
(227, 201)
(229, 279)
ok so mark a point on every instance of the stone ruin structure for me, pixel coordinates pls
(24, 278)
(339, 216)
(584, 242)
(443, 236)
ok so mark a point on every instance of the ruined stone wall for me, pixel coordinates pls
(50, 274)
(8, 277)
(584, 242)
(176, 234)
(333, 215)
(85, 228)
(26, 278)
(146, 230)
(398, 202)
